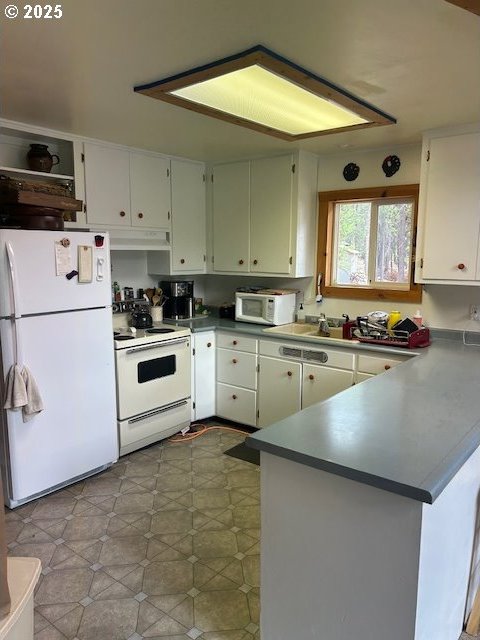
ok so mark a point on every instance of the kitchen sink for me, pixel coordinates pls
(305, 329)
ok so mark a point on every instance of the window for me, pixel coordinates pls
(366, 243)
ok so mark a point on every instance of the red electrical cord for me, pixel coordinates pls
(202, 431)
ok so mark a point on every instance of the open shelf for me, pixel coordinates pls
(40, 174)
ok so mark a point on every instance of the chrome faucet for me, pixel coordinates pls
(323, 328)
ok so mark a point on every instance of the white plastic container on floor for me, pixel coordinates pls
(23, 574)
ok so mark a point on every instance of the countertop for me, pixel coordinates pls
(407, 431)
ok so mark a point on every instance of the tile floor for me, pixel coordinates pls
(164, 545)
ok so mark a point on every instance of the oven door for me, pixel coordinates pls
(152, 375)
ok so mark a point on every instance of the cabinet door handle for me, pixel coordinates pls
(234, 397)
(461, 266)
(140, 215)
(289, 374)
(311, 377)
(182, 260)
(234, 342)
(240, 262)
(234, 361)
(122, 214)
(255, 262)
(387, 367)
(209, 344)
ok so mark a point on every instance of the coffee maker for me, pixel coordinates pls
(180, 301)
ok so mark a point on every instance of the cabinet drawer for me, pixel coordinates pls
(237, 342)
(237, 368)
(374, 364)
(237, 404)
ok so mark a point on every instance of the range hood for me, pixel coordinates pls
(137, 239)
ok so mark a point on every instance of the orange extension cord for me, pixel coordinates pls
(202, 431)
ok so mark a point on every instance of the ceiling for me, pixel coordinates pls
(418, 60)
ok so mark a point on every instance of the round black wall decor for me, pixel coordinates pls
(391, 165)
(351, 171)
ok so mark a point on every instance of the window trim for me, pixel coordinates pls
(326, 206)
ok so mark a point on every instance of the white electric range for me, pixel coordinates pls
(153, 384)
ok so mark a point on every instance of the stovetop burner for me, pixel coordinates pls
(117, 336)
(158, 330)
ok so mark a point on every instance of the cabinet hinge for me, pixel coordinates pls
(258, 413)
(204, 177)
(84, 208)
(211, 178)
(193, 404)
(193, 352)
(212, 260)
(293, 168)
(168, 215)
(83, 157)
(258, 368)
(204, 258)
(168, 173)
(291, 260)
(428, 155)
(421, 263)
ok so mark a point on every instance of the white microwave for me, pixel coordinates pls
(265, 308)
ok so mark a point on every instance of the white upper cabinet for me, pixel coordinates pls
(271, 215)
(126, 188)
(449, 208)
(264, 216)
(231, 217)
(188, 218)
(107, 185)
(150, 191)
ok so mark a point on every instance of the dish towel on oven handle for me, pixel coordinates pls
(22, 392)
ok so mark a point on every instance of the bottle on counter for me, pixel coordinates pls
(418, 319)
(301, 314)
(393, 318)
(116, 292)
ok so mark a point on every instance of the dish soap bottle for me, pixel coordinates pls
(301, 314)
(418, 319)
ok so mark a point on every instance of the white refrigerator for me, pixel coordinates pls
(55, 319)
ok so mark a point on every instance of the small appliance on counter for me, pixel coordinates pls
(141, 318)
(179, 304)
(266, 306)
(227, 311)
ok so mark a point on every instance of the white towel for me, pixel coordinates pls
(34, 403)
(22, 393)
(15, 389)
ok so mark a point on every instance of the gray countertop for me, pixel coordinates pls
(407, 431)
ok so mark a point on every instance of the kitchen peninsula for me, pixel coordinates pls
(369, 505)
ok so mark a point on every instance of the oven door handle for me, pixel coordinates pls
(156, 412)
(157, 345)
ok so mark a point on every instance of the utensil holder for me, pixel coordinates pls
(157, 314)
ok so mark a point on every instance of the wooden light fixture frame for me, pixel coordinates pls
(263, 57)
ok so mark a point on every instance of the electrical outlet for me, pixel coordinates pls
(474, 312)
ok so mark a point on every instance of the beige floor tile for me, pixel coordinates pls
(221, 610)
(133, 503)
(126, 550)
(215, 544)
(84, 527)
(211, 498)
(112, 619)
(168, 577)
(246, 517)
(68, 585)
(179, 521)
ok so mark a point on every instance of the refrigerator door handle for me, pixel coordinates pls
(13, 277)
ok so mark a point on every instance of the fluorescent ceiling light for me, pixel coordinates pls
(262, 91)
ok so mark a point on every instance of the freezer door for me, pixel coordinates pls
(39, 262)
(71, 357)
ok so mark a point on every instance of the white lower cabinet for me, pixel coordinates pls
(279, 389)
(374, 365)
(320, 383)
(203, 375)
(237, 378)
(237, 404)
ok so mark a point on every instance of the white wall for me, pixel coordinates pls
(129, 269)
